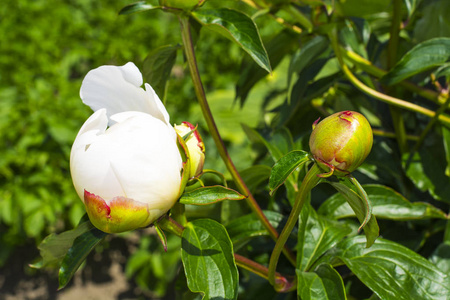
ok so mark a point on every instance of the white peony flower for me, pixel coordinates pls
(127, 174)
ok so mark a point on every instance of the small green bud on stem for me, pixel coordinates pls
(341, 142)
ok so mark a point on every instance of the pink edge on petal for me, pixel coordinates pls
(122, 214)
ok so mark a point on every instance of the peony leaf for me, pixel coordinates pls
(386, 204)
(209, 195)
(157, 67)
(137, 7)
(393, 271)
(208, 260)
(55, 246)
(424, 56)
(324, 283)
(285, 166)
(237, 27)
(82, 246)
(361, 209)
(316, 235)
(242, 229)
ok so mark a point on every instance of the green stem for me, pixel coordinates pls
(368, 67)
(310, 181)
(207, 114)
(380, 96)
(379, 132)
(283, 283)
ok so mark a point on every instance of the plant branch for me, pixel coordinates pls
(207, 114)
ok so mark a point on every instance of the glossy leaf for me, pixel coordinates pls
(208, 259)
(359, 206)
(393, 271)
(422, 57)
(324, 283)
(55, 246)
(386, 204)
(285, 166)
(82, 246)
(137, 7)
(237, 27)
(441, 257)
(209, 195)
(316, 235)
(157, 67)
(244, 228)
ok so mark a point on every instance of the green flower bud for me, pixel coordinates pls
(181, 4)
(195, 146)
(341, 142)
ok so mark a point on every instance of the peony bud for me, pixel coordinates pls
(181, 4)
(127, 174)
(341, 142)
(195, 145)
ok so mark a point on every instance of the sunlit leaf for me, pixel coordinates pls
(208, 259)
(285, 166)
(393, 271)
(82, 246)
(237, 27)
(210, 194)
(386, 204)
(422, 57)
(55, 246)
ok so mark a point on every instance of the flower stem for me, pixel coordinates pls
(207, 114)
(310, 181)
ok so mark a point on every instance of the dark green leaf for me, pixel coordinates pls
(386, 204)
(237, 27)
(137, 7)
(422, 57)
(208, 259)
(210, 194)
(393, 271)
(434, 20)
(244, 228)
(80, 249)
(55, 246)
(316, 235)
(359, 206)
(251, 73)
(285, 166)
(273, 148)
(157, 67)
(324, 283)
(255, 175)
(446, 136)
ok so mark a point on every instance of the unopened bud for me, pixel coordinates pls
(195, 146)
(341, 142)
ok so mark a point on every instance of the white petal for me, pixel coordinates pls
(118, 89)
(152, 174)
(91, 169)
(158, 103)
